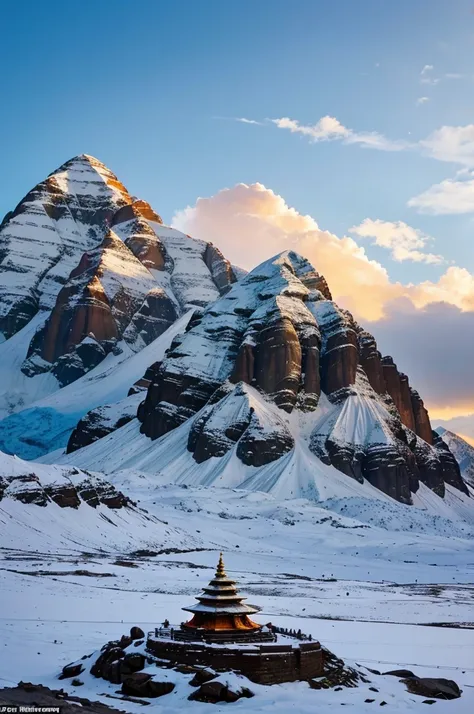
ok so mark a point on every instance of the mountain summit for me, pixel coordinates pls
(86, 270)
(277, 346)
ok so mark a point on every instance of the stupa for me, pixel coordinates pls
(221, 610)
(221, 635)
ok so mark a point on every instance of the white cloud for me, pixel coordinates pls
(243, 120)
(426, 76)
(454, 144)
(403, 241)
(422, 100)
(330, 129)
(448, 197)
(326, 129)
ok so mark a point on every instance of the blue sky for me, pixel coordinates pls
(139, 85)
(153, 88)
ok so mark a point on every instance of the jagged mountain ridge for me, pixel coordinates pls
(279, 331)
(84, 267)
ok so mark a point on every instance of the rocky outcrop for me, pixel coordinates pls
(371, 361)
(449, 467)
(462, 452)
(398, 388)
(109, 296)
(71, 489)
(221, 270)
(234, 418)
(261, 332)
(422, 425)
(283, 341)
(102, 421)
(28, 696)
(339, 349)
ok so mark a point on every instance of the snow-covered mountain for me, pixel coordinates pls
(136, 346)
(88, 272)
(463, 426)
(463, 452)
(274, 388)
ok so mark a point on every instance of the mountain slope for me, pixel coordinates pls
(46, 424)
(463, 426)
(56, 509)
(274, 387)
(463, 452)
(86, 271)
(42, 240)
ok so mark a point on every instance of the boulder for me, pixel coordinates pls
(433, 688)
(202, 676)
(142, 685)
(211, 692)
(135, 684)
(110, 654)
(136, 633)
(158, 689)
(125, 641)
(132, 662)
(402, 673)
(71, 670)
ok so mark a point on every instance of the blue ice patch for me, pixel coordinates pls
(34, 432)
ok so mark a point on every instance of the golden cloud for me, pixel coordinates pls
(251, 223)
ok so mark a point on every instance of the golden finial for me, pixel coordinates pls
(220, 572)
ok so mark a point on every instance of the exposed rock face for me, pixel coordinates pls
(279, 332)
(450, 468)
(109, 295)
(371, 362)
(261, 332)
(70, 489)
(398, 388)
(234, 418)
(42, 240)
(461, 450)
(101, 421)
(421, 419)
(96, 268)
(339, 349)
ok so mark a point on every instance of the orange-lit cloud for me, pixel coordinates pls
(252, 223)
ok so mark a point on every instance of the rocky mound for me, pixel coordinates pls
(102, 421)
(68, 489)
(278, 331)
(27, 694)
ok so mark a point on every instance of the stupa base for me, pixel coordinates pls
(286, 660)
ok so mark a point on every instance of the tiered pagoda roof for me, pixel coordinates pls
(221, 608)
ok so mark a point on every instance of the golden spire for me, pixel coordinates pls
(220, 571)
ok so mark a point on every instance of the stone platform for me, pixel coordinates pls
(284, 660)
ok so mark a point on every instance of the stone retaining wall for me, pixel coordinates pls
(264, 664)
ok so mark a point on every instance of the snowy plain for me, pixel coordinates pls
(373, 589)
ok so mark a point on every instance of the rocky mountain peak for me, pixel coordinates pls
(279, 332)
(84, 266)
